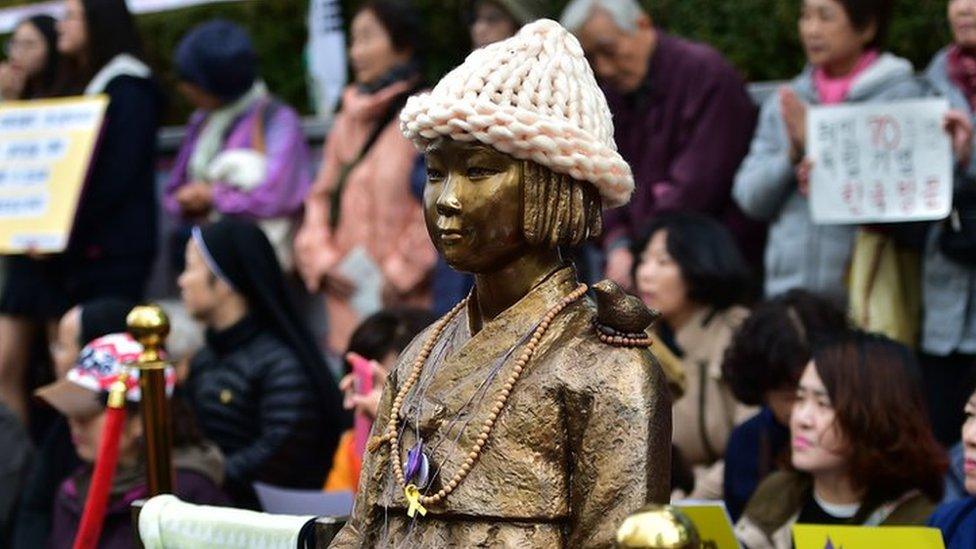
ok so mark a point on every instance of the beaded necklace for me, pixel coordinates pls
(416, 501)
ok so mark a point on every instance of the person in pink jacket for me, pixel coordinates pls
(363, 242)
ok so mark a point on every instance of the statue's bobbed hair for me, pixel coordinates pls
(557, 209)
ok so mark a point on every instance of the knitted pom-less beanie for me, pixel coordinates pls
(534, 97)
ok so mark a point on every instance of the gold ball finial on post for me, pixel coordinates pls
(658, 527)
(149, 325)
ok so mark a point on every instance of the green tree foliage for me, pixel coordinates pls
(758, 36)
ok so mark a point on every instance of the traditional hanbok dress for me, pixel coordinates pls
(583, 440)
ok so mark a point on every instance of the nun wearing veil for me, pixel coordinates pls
(260, 387)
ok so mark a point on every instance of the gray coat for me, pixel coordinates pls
(948, 288)
(800, 254)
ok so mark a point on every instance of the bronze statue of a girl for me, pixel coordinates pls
(525, 417)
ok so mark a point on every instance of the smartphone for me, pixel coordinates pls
(363, 384)
(363, 371)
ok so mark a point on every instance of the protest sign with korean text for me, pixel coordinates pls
(879, 162)
(46, 148)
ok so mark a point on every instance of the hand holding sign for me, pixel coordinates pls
(882, 162)
(960, 130)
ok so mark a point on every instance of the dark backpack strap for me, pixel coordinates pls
(335, 199)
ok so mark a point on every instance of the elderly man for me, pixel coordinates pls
(683, 122)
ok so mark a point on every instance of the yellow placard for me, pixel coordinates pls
(46, 148)
(811, 536)
(712, 521)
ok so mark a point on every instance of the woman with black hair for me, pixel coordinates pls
(31, 68)
(360, 210)
(113, 241)
(690, 270)
(957, 519)
(762, 367)
(114, 238)
(31, 301)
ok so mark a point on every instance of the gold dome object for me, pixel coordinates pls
(149, 325)
(658, 527)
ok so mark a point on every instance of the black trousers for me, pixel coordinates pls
(949, 382)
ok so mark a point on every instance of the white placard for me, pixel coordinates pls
(326, 54)
(879, 162)
(46, 147)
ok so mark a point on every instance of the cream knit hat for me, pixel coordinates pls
(534, 97)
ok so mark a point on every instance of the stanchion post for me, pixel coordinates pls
(149, 325)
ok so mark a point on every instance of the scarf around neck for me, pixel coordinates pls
(962, 72)
(833, 90)
(399, 73)
(215, 128)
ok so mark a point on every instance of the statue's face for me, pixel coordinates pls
(473, 205)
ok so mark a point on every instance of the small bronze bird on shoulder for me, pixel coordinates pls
(618, 313)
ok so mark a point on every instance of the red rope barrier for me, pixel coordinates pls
(93, 518)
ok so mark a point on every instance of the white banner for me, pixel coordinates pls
(326, 54)
(879, 163)
(9, 17)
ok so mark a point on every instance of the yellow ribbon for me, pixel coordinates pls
(413, 499)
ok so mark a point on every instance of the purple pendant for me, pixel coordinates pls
(417, 469)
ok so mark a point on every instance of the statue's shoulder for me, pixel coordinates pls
(605, 345)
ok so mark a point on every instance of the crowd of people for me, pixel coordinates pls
(790, 403)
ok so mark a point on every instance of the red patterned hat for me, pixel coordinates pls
(99, 365)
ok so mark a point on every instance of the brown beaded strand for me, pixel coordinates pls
(625, 341)
(391, 430)
(486, 428)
